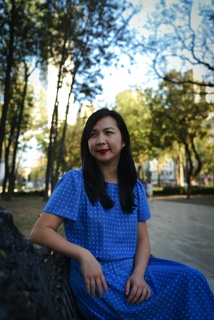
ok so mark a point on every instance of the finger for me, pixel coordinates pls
(136, 297)
(92, 287)
(140, 300)
(148, 294)
(144, 296)
(132, 295)
(99, 287)
(87, 285)
(127, 288)
(104, 283)
(145, 292)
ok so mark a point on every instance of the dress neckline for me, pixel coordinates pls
(112, 183)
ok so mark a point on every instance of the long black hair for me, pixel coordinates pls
(95, 185)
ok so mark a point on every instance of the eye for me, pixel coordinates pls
(109, 132)
(92, 134)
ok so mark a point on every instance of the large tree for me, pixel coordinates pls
(19, 54)
(17, 123)
(77, 38)
(178, 114)
(86, 36)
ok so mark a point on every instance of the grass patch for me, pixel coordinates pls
(25, 213)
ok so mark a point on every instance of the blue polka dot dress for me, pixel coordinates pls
(178, 292)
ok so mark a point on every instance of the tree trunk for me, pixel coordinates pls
(62, 140)
(181, 168)
(189, 170)
(7, 92)
(50, 161)
(197, 157)
(18, 129)
(50, 174)
(6, 159)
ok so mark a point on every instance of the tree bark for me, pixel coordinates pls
(12, 176)
(7, 90)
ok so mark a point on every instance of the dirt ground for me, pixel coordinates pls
(26, 212)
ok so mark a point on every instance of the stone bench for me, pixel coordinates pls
(34, 282)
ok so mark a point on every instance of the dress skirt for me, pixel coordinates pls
(178, 292)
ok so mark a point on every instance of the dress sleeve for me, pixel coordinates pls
(65, 198)
(142, 203)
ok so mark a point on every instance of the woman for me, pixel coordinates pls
(104, 210)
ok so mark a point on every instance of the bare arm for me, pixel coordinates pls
(142, 254)
(136, 287)
(45, 233)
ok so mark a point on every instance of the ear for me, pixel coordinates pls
(123, 144)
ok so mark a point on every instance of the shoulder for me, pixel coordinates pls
(75, 175)
(71, 179)
(142, 202)
(139, 187)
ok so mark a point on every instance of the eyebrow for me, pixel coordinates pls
(109, 128)
(112, 128)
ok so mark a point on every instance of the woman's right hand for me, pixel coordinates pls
(92, 274)
(44, 233)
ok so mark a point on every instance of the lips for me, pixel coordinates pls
(103, 151)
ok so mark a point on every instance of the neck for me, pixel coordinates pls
(109, 174)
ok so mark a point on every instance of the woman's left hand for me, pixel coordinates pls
(137, 289)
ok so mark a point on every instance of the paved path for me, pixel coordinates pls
(184, 232)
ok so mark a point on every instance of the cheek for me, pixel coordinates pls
(90, 145)
(118, 143)
(122, 144)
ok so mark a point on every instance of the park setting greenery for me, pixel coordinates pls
(80, 38)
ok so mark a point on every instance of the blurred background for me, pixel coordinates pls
(150, 60)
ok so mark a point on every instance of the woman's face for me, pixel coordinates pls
(105, 141)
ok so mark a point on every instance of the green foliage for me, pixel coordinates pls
(206, 147)
(19, 48)
(81, 37)
(71, 157)
(195, 190)
(85, 35)
(131, 105)
(78, 38)
(179, 114)
(39, 124)
(169, 191)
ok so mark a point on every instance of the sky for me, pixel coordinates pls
(120, 79)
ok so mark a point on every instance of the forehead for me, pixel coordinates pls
(105, 122)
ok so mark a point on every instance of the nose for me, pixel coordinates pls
(100, 139)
